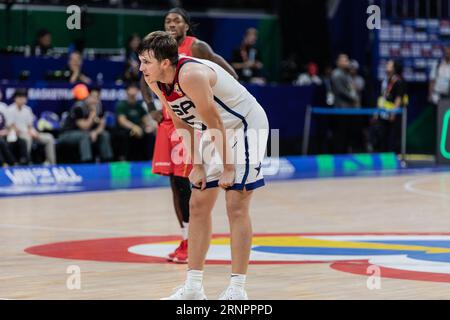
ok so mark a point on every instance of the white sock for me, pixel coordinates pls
(194, 279)
(185, 230)
(237, 280)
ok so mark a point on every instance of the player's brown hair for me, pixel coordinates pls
(163, 45)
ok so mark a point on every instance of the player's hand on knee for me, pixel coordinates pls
(226, 180)
(198, 176)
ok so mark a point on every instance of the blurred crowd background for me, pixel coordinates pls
(72, 95)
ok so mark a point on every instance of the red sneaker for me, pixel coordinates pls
(172, 255)
(182, 254)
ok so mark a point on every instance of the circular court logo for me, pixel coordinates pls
(421, 256)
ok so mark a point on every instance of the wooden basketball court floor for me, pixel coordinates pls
(404, 204)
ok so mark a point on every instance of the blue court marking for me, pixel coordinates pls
(417, 255)
(426, 256)
(433, 257)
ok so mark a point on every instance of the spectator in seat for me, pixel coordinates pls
(310, 76)
(75, 65)
(6, 157)
(136, 127)
(131, 73)
(85, 128)
(43, 45)
(21, 118)
(246, 59)
(439, 86)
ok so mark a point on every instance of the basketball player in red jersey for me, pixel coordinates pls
(177, 23)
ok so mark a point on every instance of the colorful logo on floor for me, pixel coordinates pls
(423, 257)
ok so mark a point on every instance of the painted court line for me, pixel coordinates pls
(410, 186)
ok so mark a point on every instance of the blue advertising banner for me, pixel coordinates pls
(33, 180)
(39, 180)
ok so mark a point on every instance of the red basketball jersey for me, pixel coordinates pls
(186, 46)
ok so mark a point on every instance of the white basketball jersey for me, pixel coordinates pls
(231, 99)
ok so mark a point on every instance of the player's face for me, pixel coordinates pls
(150, 67)
(176, 26)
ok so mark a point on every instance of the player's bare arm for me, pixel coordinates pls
(197, 82)
(202, 50)
(198, 174)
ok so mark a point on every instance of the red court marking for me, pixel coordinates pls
(116, 250)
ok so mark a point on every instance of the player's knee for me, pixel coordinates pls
(236, 210)
(197, 208)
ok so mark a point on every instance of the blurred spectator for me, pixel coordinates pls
(346, 128)
(385, 130)
(16, 147)
(328, 86)
(310, 76)
(3, 105)
(131, 73)
(94, 101)
(136, 127)
(6, 157)
(357, 81)
(75, 65)
(246, 59)
(289, 69)
(344, 94)
(440, 79)
(43, 45)
(85, 128)
(21, 118)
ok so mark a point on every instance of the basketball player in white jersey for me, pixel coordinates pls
(200, 96)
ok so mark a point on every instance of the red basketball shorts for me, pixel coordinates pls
(170, 156)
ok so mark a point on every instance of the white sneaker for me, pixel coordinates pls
(183, 293)
(233, 293)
